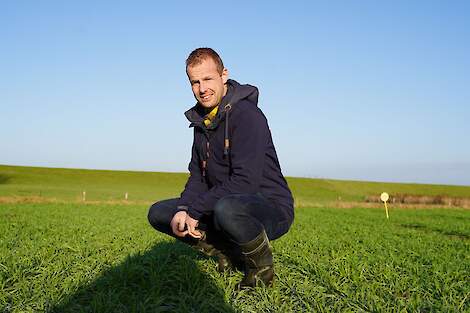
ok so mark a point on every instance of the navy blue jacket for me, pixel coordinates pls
(235, 154)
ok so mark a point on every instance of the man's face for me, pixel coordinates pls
(207, 83)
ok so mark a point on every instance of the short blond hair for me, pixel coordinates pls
(200, 54)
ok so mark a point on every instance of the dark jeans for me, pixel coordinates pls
(238, 218)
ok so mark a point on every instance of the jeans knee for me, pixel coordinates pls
(226, 211)
(223, 208)
(152, 215)
(161, 213)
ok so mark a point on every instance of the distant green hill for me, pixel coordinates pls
(68, 185)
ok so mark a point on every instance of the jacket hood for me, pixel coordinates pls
(235, 93)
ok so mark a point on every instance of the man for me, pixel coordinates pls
(236, 199)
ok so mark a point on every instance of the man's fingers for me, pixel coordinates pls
(192, 229)
(178, 224)
(181, 234)
(181, 225)
(177, 232)
(195, 234)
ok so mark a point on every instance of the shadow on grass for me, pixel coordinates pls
(4, 178)
(452, 234)
(163, 279)
(414, 226)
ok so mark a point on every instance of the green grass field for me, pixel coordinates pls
(68, 185)
(98, 256)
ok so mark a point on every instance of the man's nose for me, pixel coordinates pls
(202, 87)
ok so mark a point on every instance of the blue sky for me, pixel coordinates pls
(360, 90)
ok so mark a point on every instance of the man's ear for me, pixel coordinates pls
(225, 75)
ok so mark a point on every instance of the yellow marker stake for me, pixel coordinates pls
(384, 197)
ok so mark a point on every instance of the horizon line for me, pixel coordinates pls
(286, 176)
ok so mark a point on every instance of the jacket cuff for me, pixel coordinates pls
(194, 214)
(181, 208)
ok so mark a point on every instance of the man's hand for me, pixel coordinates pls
(192, 224)
(178, 222)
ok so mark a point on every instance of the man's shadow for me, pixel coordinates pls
(163, 279)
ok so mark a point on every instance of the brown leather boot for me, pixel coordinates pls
(258, 258)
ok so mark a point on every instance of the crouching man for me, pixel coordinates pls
(236, 199)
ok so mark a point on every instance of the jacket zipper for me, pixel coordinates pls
(204, 162)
